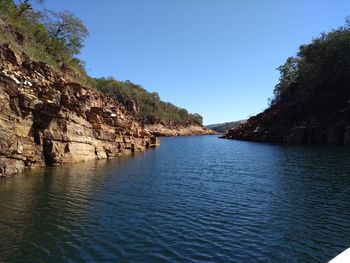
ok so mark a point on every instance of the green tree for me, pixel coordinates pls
(289, 72)
(319, 67)
(67, 28)
(183, 114)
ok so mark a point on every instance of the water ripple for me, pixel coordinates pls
(196, 199)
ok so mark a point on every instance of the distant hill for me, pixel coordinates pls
(224, 127)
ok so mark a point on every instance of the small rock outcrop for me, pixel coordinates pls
(45, 119)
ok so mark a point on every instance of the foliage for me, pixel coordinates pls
(288, 76)
(321, 66)
(27, 31)
(152, 109)
(55, 37)
(67, 28)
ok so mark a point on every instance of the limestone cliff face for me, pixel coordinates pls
(47, 120)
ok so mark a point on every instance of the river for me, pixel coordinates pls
(194, 199)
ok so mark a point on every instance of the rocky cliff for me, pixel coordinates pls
(324, 119)
(45, 119)
(178, 130)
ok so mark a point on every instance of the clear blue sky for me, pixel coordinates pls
(213, 57)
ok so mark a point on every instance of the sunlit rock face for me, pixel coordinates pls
(45, 119)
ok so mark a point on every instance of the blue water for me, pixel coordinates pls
(194, 199)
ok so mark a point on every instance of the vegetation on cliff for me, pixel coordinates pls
(311, 103)
(322, 66)
(151, 108)
(49, 37)
(55, 38)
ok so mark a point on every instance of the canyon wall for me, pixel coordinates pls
(45, 119)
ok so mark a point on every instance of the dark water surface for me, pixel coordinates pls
(195, 199)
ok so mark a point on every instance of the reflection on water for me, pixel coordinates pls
(193, 199)
(47, 206)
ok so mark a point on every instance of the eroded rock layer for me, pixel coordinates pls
(46, 119)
